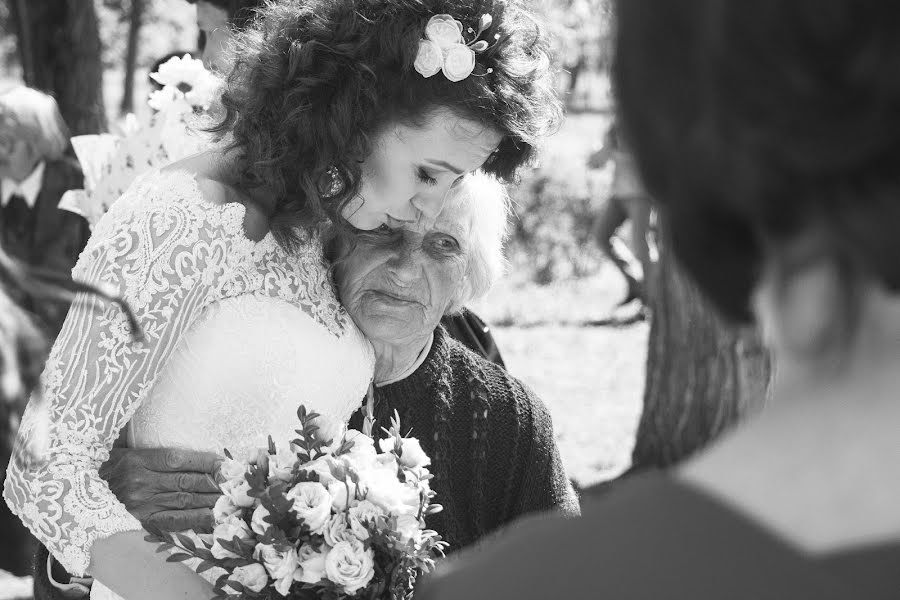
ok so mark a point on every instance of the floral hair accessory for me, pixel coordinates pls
(444, 49)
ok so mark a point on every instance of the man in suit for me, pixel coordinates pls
(34, 174)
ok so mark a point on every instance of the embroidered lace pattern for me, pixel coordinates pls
(171, 255)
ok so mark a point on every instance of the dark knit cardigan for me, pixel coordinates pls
(490, 439)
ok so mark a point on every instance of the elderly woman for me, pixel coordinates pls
(490, 438)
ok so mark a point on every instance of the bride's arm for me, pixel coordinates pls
(162, 255)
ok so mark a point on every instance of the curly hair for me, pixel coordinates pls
(756, 122)
(314, 80)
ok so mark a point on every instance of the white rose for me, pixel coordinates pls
(338, 491)
(322, 467)
(281, 465)
(330, 430)
(231, 469)
(429, 58)
(360, 515)
(413, 456)
(459, 62)
(350, 565)
(312, 503)
(253, 577)
(312, 563)
(227, 531)
(363, 452)
(225, 509)
(283, 566)
(337, 530)
(409, 528)
(444, 30)
(385, 490)
(238, 492)
(257, 521)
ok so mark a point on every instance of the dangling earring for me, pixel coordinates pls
(331, 184)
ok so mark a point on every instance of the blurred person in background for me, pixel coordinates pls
(34, 175)
(769, 134)
(627, 202)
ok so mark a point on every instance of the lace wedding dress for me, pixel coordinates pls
(237, 334)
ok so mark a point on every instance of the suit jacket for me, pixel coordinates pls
(52, 239)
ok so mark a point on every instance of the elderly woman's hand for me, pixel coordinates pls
(171, 489)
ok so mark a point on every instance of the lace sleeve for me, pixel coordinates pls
(163, 254)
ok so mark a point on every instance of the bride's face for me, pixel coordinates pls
(410, 170)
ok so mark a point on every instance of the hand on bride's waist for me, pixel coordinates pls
(167, 488)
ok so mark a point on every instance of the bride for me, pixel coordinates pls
(361, 112)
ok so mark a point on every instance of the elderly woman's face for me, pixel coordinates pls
(397, 284)
(17, 158)
(410, 170)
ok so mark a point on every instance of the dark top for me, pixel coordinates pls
(49, 238)
(489, 437)
(656, 538)
(468, 328)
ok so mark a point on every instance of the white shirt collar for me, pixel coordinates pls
(28, 188)
(412, 368)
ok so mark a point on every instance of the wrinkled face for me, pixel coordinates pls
(397, 284)
(410, 170)
(214, 36)
(17, 159)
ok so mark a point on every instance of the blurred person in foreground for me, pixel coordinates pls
(489, 437)
(34, 175)
(769, 132)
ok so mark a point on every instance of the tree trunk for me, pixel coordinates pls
(703, 373)
(134, 31)
(59, 47)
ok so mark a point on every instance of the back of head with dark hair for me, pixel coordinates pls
(240, 12)
(315, 80)
(756, 122)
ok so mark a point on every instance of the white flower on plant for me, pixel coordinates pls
(360, 515)
(225, 509)
(257, 521)
(228, 530)
(283, 566)
(338, 530)
(312, 503)
(363, 452)
(338, 491)
(411, 456)
(409, 528)
(253, 577)
(281, 465)
(312, 563)
(350, 565)
(322, 467)
(231, 469)
(386, 491)
(238, 492)
(168, 100)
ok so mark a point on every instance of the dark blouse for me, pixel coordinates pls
(656, 538)
(490, 439)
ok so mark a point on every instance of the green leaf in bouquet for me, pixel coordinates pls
(257, 479)
(178, 557)
(185, 542)
(204, 566)
(228, 454)
(272, 449)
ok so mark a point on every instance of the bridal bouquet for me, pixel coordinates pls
(325, 520)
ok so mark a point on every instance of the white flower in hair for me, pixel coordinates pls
(187, 78)
(444, 49)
